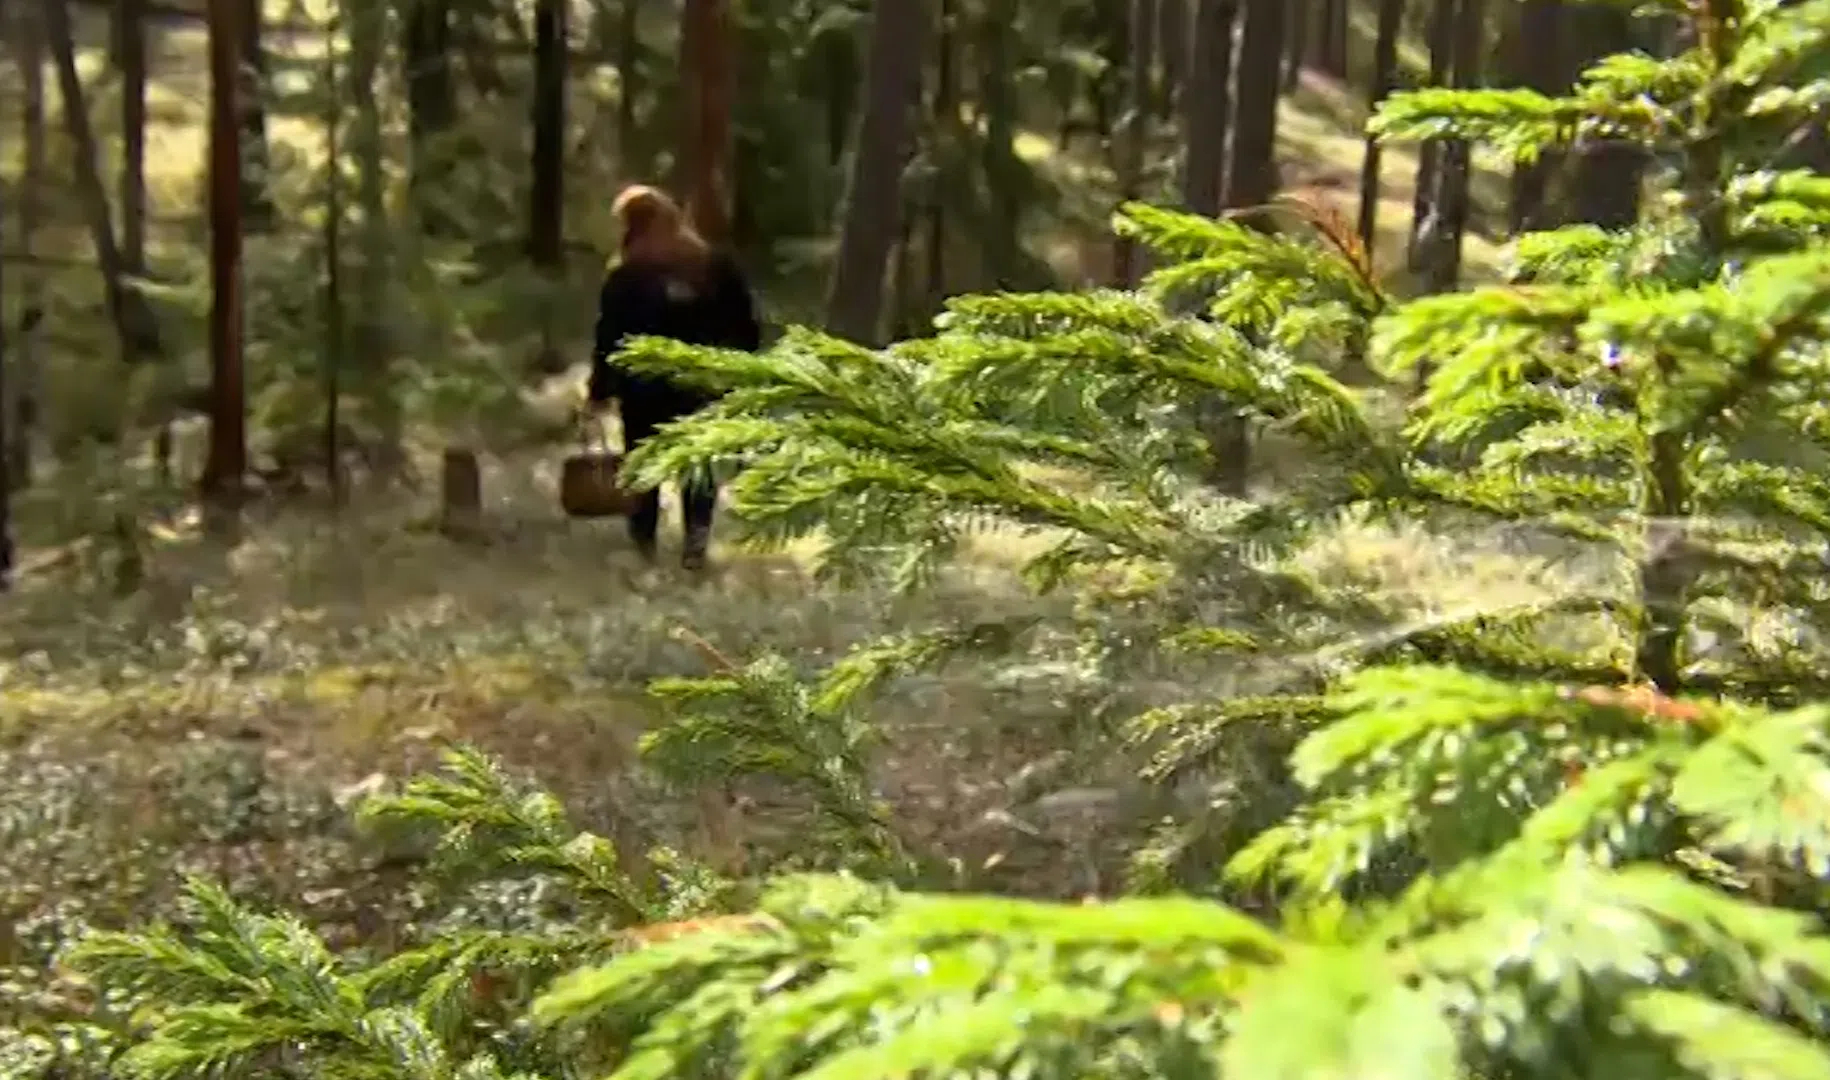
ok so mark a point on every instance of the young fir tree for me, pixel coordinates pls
(1604, 879)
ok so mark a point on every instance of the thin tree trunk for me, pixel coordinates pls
(946, 129)
(1537, 62)
(1127, 262)
(333, 285)
(256, 196)
(1207, 105)
(226, 468)
(1296, 44)
(1442, 268)
(431, 108)
(22, 409)
(1423, 205)
(1252, 172)
(6, 442)
(1385, 73)
(1003, 169)
(1608, 176)
(1173, 44)
(628, 89)
(133, 321)
(130, 60)
(371, 337)
(873, 197)
(1329, 36)
(546, 207)
(707, 67)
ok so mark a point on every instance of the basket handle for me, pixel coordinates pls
(591, 433)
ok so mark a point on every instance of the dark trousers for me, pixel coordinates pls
(698, 495)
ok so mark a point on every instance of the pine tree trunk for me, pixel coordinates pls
(873, 197)
(1330, 37)
(1385, 74)
(1207, 105)
(130, 61)
(1172, 35)
(546, 194)
(1127, 265)
(371, 337)
(256, 197)
(1442, 269)
(1429, 163)
(706, 67)
(22, 408)
(1296, 42)
(946, 128)
(1608, 176)
(6, 443)
(1003, 169)
(138, 333)
(629, 88)
(1252, 171)
(431, 108)
(225, 470)
(1537, 63)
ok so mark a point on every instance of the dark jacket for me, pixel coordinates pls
(642, 300)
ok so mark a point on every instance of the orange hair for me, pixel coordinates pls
(642, 211)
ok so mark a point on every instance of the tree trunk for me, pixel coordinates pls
(1173, 43)
(1252, 171)
(332, 434)
(546, 207)
(946, 129)
(1329, 37)
(138, 333)
(873, 198)
(431, 108)
(1296, 42)
(256, 196)
(707, 69)
(1537, 63)
(371, 337)
(628, 89)
(1003, 169)
(6, 442)
(130, 60)
(1442, 249)
(1608, 176)
(1423, 205)
(1207, 105)
(23, 387)
(1385, 74)
(226, 467)
(1127, 264)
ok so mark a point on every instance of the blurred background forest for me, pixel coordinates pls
(425, 185)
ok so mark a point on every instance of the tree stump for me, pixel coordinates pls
(461, 495)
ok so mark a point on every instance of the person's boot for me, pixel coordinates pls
(698, 543)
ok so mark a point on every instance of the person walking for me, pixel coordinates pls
(667, 282)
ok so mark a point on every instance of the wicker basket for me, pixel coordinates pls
(588, 484)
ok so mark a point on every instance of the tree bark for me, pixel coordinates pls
(1003, 169)
(707, 68)
(1385, 74)
(256, 193)
(628, 88)
(1442, 269)
(1608, 177)
(431, 108)
(1423, 205)
(1127, 262)
(1173, 44)
(546, 207)
(1536, 58)
(138, 333)
(946, 128)
(226, 467)
(130, 60)
(1207, 105)
(1252, 172)
(23, 387)
(873, 198)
